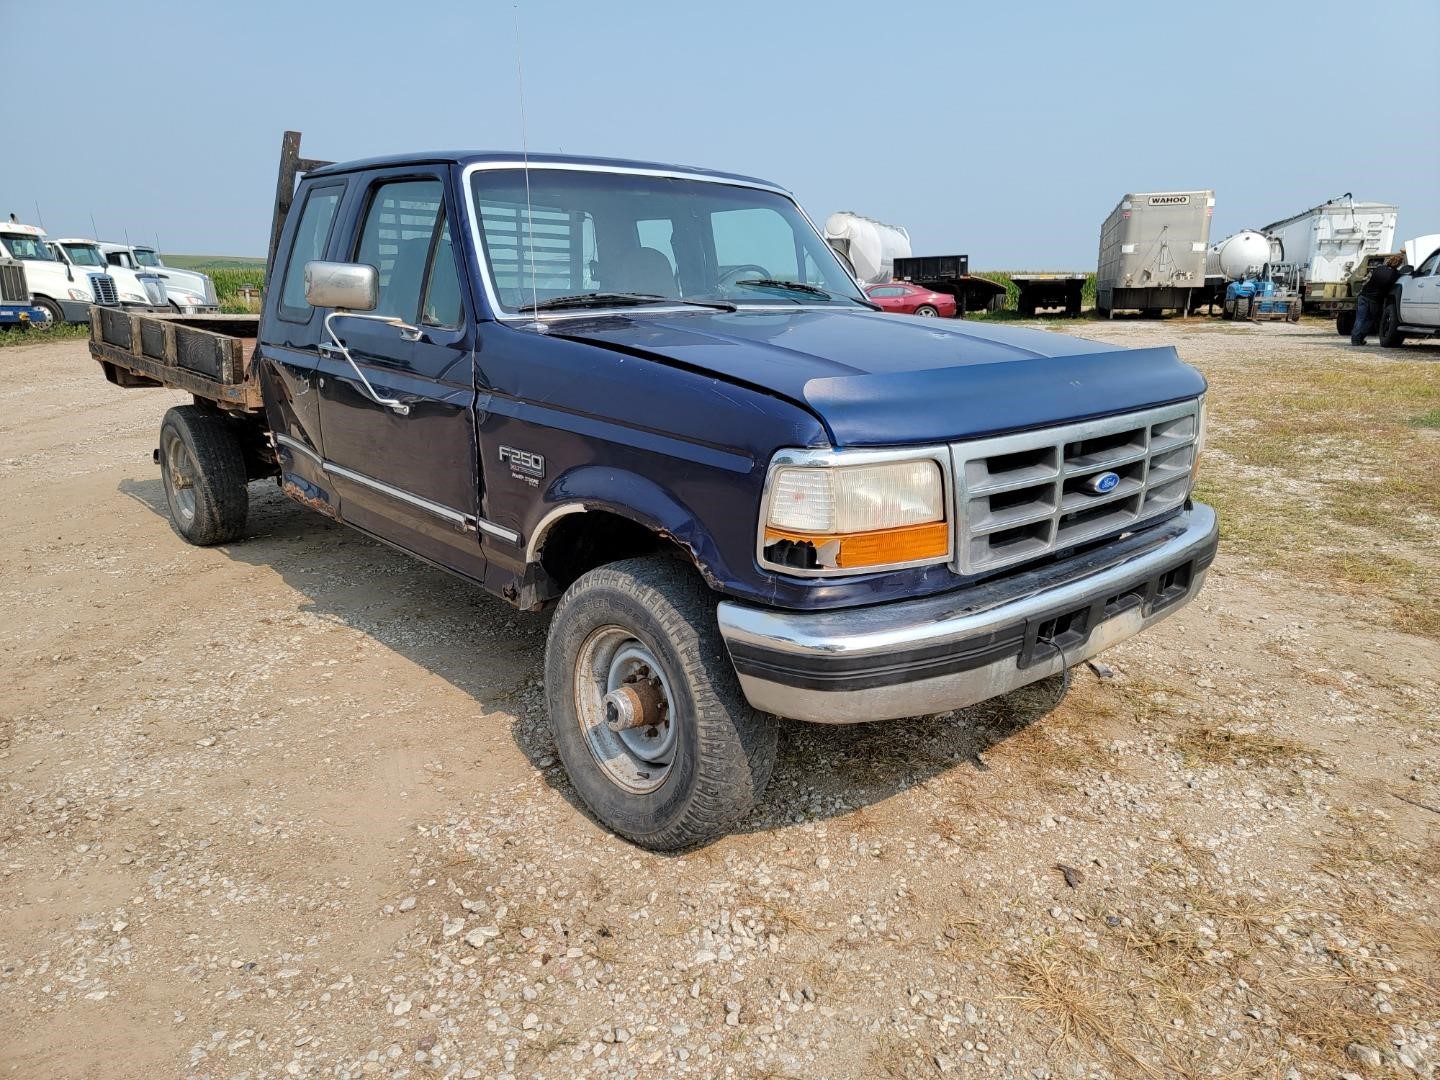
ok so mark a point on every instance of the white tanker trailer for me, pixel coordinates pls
(1239, 256)
(869, 246)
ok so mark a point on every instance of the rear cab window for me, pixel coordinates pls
(311, 241)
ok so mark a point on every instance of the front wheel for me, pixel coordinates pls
(1345, 322)
(927, 310)
(53, 315)
(648, 715)
(203, 467)
(1390, 335)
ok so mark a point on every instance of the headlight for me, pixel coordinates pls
(826, 516)
(80, 294)
(133, 298)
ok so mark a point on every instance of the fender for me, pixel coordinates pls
(628, 495)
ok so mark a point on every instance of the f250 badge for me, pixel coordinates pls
(523, 464)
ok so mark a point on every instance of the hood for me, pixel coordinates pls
(877, 379)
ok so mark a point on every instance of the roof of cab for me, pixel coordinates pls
(472, 157)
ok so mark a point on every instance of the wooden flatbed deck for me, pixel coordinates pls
(204, 355)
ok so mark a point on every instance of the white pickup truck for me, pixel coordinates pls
(1413, 307)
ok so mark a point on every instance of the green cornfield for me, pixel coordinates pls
(1012, 292)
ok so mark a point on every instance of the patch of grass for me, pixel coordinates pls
(1208, 745)
(1321, 470)
(38, 335)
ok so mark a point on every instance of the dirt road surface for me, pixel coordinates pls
(290, 807)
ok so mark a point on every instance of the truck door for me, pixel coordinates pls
(1420, 296)
(289, 357)
(409, 475)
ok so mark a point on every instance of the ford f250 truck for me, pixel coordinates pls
(650, 399)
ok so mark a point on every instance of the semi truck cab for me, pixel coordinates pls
(60, 290)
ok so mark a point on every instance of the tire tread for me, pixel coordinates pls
(222, 500)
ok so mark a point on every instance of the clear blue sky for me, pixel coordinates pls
(1007, 131)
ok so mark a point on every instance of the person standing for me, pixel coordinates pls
(1372, 298)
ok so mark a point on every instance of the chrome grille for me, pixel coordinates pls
(154, 289)
(1022, 496)
(12, 282)
(102, 287)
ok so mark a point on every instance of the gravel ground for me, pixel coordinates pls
(290, 808)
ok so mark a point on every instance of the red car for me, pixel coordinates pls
(905, 299)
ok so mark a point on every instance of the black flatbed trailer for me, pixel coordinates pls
(1059, 290)
(951, 274)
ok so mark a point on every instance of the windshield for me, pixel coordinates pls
(84, 254)
(649, 236)
(27, 247)
(146, 257)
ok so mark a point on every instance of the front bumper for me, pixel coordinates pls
(75, 311)
(939, 653)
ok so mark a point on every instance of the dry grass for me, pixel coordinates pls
(1322, 470)
(1207, 745)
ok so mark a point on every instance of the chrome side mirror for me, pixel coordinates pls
(352, 286)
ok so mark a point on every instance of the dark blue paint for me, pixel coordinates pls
(669, 420)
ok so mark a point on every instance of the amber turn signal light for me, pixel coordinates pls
(879, 547)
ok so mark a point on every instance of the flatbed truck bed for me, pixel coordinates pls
(207, 356)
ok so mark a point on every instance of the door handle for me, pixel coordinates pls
(335, 345)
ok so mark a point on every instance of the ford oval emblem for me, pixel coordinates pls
(1100, 483)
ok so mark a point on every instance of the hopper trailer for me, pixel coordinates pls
(1152, 252)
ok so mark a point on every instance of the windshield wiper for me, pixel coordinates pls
(793, 286)
(620, 299)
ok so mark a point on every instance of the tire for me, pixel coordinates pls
(1344, 322)
(55, 316)
(203, 468)
(1390, 335)
(927, 310)
(694, 778)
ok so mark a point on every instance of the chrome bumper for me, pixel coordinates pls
(917, 657)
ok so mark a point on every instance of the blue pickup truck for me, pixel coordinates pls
(649, 400)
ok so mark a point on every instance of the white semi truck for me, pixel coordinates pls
(63, 292)
(136, 292)
(190, 291)
(1318, 249)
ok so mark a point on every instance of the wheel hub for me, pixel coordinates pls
(625, 709)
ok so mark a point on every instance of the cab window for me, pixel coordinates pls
(312, 237)
(396, 239)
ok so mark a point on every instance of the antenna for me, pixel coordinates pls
(525, 152)
(127, 236)
(38, 216)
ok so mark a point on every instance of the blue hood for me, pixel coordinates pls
(876, 379)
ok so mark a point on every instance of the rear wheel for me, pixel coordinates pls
(1390, 335)
(647, 712)
(1345, 322)
(203, 467)
(927, 310)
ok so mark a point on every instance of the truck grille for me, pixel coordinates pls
(102, 287)
(1022, 496)
(12, 283)
(154, 289)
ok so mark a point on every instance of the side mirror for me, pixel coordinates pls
(351, 286)
(1406, 269)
